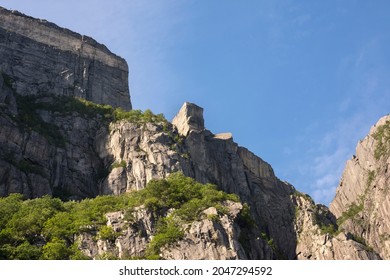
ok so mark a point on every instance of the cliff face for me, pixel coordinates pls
(45, 151)
(154, 151)
(40, 57)
(362, 202)
(52, 143)
(207, 239)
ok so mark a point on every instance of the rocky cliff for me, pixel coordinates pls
(53, 142)
(39, 57)
(212, 237)
(362, 202)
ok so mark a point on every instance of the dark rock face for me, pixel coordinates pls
(50, 154)
(40, 57)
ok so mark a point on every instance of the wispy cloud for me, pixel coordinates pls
(366, 99)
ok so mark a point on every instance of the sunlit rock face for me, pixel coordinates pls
(362, 198)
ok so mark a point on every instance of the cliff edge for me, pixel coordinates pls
(39, 57)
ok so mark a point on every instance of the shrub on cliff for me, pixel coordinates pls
(47, 228)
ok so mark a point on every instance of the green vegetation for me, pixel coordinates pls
(47, 228)
(272, 245)
(27, 167)
(137, 116)
(7, 80)
(107, 233)
(168, 231)
(325, 225)
(116, 164)
(29, 118)
(352, 211)
(382, 136)
(370, 177)
(245, 219)
(362, 241)
(66, 105)
(269, 240)
(384, 237)
(328, 229)
(304, 195)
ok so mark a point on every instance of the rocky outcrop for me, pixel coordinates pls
(212, 237)
(132, 237)
(216, 238)
(155, 150)
(318, 239)
(146, 152)
(39, 57)
(362, 201)
(189, 118)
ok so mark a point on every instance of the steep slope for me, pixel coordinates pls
(362, 201)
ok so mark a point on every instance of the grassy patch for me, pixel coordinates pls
(370, 178)
(362, 241)
(382, 136)
(117, 164)
(352, 211)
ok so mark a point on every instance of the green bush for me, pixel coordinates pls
(107, 233)
(27, 223)
(137, 116)
(26, 251)
(57, 249)
(328, 229)
(8, 206)
(168, 232)
(46, 228)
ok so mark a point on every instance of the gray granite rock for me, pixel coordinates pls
(40, 57)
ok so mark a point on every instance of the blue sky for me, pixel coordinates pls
(299, 83)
